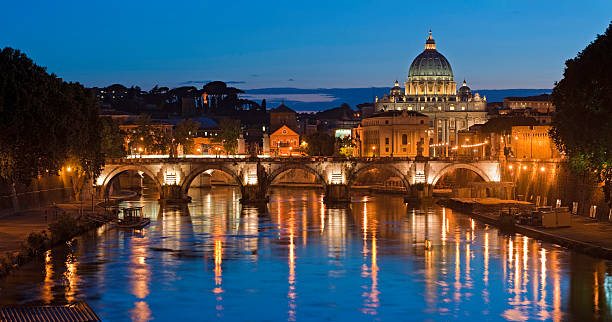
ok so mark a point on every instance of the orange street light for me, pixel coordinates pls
(139, 149)
(68, 169)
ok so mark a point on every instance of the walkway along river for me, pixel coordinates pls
(297, 259)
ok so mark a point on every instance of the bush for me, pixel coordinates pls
(64, 228)
(36, 242)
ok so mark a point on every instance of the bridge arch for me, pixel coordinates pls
(379, 166)
(203, 168)
(293, 166)
(455, 166)
(118, 170)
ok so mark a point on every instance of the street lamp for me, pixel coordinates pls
(373, 151)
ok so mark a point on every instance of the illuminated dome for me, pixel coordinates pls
(464, 93)
(430, 64)
(396, 90)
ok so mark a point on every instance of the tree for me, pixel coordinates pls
(583, 118)
(319, 144)
(141, 138)
(113, 140)
(184, 133)
(45, 123)
(345, 146)
(230, 132)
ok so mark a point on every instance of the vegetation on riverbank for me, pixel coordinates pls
(62, 230)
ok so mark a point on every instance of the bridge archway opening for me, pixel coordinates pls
(205, 178)
(125, 181)
(454, 182)
(295, 175)
(379, 177)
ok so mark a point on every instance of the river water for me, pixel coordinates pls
(298, 260)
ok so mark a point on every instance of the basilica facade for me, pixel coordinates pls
(432, 91)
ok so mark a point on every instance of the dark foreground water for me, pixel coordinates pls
(297, 260)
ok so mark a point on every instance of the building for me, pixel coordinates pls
(533, 142)
(432, 91)
(285, 142)
(392, 134)
(337, 121)
(282, 115)
(541, 103)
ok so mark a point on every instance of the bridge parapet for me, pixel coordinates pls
(254, 175)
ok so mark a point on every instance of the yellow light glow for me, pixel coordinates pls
(542, 169)
(524, 167)
(510, 167)
(68, 169)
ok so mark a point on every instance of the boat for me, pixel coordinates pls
(132, 218)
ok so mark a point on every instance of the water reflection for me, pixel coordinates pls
(301, 260)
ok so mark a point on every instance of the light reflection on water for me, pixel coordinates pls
(298, 259)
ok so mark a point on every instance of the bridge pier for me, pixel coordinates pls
(418, 193)
(337, 194)
(254, 194)
(173, 194)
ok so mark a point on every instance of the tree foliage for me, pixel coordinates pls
(229, 134)
(45, 123)
(345, 146)
(319, 144)
(184, 133)
(583, 119)
(113, 140)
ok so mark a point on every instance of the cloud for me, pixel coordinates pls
(291, 80)
(194, 82)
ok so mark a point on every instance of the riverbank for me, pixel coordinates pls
(26, 234)
(585, 235)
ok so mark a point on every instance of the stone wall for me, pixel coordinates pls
(554, 180)
(39, 193)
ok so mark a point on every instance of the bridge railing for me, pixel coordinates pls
(305, 159)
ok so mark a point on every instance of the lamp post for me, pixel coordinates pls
(373, 151)
(93, 189)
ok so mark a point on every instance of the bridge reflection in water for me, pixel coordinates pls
(297, 259)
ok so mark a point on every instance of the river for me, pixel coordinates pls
(298, 260)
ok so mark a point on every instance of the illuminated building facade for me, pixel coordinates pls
(432, 91)
(285, 142)
(533, 142)
(392, 133)
(541, 103)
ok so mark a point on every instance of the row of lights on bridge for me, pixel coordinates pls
(524, 167)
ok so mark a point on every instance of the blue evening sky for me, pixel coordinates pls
(306, 44)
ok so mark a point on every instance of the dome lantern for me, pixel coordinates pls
(430, 43)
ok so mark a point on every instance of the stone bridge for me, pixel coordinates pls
(254, 175)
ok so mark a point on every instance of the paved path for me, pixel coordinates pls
(585, 230)
(15, 228)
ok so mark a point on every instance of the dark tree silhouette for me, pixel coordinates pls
(583, 119)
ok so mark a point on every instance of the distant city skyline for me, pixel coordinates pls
(493, 45)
